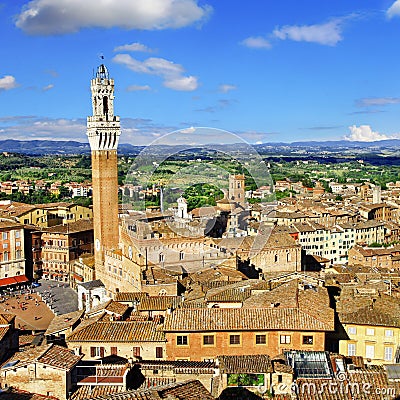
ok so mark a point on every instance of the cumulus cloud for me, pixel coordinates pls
(48, 17)
(171, 73)
(377, 101)
(329, 33)
(364, 133)
(8, 82)
(136, 88)
(134, 47)
(394, 9)
(256, 42)
(226, 88)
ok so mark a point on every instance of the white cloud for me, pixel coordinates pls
(134, 47)
(328, 34)
(136, 88)
(394, 9)
(226, 88)
(377, 101)
(192, 129)
(364, 133)
(48, 87)
(256, 42)
(183, 83)
(8, 82)
(171, 73)
(47, 17)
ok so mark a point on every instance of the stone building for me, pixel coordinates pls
(45, 370)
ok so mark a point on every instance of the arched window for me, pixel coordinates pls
(105, 105)
(276, 258)
(288, 257)
(161, 257)
(181, 255)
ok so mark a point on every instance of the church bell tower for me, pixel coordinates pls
(104, 130)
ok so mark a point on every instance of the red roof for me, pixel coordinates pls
(13, 280)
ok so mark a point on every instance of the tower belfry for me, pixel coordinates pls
(104, 130)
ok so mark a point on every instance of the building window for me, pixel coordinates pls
(182, 340)
(388, 332)
(388, 353)
(352, 330)
(369, 351)
(308, 340)
(136, 351)
(97, 352)
(261, 339)
(370, 332)
(351, 349)
(159, 352)
(276, 258)
(181, 255)
(284, 339)
(5, 235)
(114, 351)
(208, 340)
(17, 234)
(234, 339)
(5, 256)
(161, 257)
(5, 245)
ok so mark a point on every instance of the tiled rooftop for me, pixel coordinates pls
(118, 331)
(220, 319)
(250, 364)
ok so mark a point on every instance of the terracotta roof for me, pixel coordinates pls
(118, 331)
(187, 390)
(367, 316)
(159, 303)
(16, 394)
(95, 391)
(368, 306)
(6, 224)
(240, 319)
(62, 322)
(129, 296)
(250, 364)
(229, 295)
(51, 355)
(179, 367)
(72, 227)
(3, 332)
(59, 357)
(6, 318)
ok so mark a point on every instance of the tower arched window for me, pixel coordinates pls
(105, 105)
(276, 258)
(161, 257)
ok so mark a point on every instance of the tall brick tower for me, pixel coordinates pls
(237, 189)
(103, 130)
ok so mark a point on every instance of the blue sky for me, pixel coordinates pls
(266, 70)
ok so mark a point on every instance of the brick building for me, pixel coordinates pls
(56, 248)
